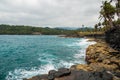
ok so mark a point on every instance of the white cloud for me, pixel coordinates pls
(50, 12)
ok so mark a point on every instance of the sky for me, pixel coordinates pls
(50, 13)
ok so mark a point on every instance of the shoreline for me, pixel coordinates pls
(94, 65)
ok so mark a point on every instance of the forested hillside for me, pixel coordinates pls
(21, 30)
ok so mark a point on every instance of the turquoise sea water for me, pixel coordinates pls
(24, 56)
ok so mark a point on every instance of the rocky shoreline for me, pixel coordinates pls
(103, 63)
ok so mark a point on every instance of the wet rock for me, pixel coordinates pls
(59, 74)
(84, 75)
(39, 77)
(65, 71)
(80, 75)
(62, 72)
(51, 74)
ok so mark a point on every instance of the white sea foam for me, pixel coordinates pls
(84, 43)
(19, 74)
(65, 64)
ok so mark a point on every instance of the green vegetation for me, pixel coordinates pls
(108, 12)
(108, 18)
(27, 30)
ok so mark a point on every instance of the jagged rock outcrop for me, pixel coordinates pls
(84, 67)
(101, 55)
(103, 64)
(77, 75)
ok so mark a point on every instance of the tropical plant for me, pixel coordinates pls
(96, 27)
(107, 12)
(117, 3)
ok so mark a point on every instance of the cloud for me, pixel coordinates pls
(53, 13)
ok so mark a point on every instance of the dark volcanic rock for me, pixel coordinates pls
(85, 75)
(65, 71)
(77, 75)
(51, 74)
(62, 72)
(39, 77)
(59, 74)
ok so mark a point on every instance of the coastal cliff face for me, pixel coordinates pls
(103, 63)
(102, 56)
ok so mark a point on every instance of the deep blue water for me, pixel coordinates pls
(24, 56)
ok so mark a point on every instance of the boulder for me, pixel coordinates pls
(51, 74)
(62, 72)
(39, 77)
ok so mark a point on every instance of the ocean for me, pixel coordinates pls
(24, 56)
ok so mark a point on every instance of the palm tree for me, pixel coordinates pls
(96, 27)
(117, 7)
(107, 12)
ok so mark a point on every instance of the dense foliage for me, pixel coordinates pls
(21, 30)
(109, 15)
(111, 22)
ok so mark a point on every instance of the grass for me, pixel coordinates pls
(90, 33)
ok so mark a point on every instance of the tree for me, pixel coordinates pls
(96, 27)
(107, 12)
(99, 24)
(117, 7)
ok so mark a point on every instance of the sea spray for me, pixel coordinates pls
(40, 54)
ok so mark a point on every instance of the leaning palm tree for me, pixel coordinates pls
(107, 12)
(117, 3)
